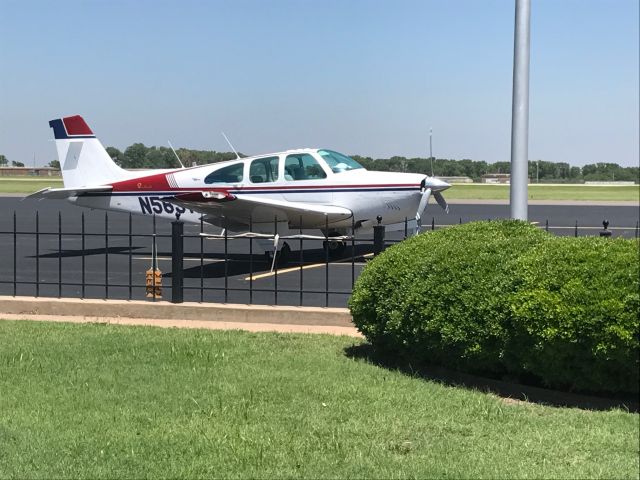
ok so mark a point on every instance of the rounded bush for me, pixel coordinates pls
(574, 315)
(466, 297)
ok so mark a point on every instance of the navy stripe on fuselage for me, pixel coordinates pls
(248, 192)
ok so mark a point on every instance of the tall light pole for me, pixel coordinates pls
(431, 149)
(520, 112)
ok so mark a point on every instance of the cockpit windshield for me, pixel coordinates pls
(338, 162)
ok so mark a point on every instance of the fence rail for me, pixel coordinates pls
(106, 259)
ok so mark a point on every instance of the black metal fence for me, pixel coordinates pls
(118, 256)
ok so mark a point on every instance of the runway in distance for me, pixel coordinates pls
(306, 188)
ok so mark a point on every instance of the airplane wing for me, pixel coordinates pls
(63, 193)
(239, 208)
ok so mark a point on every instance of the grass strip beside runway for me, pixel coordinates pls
(101, 401)
(28, 184)
(547, 192)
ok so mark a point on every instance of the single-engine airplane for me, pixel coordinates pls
(306, 188)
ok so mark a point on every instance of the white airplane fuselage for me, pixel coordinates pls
(296, 189)
(368, 194)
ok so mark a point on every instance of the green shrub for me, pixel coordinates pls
(467, 298)
(438, 296)
(574, 316)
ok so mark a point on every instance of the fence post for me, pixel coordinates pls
(177, 253)
(378, 236)
(605, 233)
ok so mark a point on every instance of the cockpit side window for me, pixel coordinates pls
(230, 174)
(302, 166)
(338, 162)
(264, 170)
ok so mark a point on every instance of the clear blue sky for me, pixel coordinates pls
(361, 76)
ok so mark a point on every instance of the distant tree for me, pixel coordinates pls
(575, 173)
(3, 161)
(500, 167)
(54, 164)
(135, 156)
(115, 154)
(16, 164)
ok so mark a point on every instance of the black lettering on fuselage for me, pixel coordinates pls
(156, 205)
(144, 205)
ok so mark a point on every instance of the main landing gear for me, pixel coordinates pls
(336, 248)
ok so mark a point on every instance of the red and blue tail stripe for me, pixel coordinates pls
(70, 127)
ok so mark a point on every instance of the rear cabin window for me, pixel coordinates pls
(230, 174)
(302, 166)
(264, 170)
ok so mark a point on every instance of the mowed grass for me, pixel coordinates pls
(98, 401)
(457, 191)
(29, 184)
(547, 192)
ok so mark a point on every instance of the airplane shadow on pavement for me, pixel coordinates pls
(87, 252)
(240, 264)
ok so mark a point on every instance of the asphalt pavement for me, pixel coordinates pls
(68, 264)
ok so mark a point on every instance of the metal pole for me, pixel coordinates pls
(177, 254)
(431, 149)
(520, 112)
(378, 236)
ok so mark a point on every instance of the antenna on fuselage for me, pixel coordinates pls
(234, 150)
(174, 152)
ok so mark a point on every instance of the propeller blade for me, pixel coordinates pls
(441, 201)
(423, 203)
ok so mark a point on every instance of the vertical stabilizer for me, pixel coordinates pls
(83, 160)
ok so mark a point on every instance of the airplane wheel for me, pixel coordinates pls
(336, 249)
(284, 255)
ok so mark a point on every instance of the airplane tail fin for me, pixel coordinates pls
(83, 160)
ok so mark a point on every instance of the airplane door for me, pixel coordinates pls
(305, 180)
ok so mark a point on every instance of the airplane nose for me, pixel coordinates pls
(443, 185)
(435, 184)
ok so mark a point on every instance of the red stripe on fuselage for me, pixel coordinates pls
(151, 183)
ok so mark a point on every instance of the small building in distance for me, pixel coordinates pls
(495, 178)
(29, 172)
(456, 179)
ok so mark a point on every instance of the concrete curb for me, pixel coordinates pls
(161, 310)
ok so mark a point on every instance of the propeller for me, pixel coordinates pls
(426, 193)
(441, 201)
(428, 186)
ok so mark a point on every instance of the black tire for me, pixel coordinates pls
(336, 249)
(284, 254)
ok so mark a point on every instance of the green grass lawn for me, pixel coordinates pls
(547, 192)
(28, 185)
(98, 401)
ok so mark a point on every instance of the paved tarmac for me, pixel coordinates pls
(62, 263)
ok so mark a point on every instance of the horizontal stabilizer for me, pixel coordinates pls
(63, 193)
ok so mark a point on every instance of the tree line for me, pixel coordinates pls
(140, 156)
(5, 163)
(549, 172)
